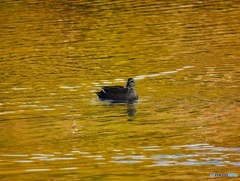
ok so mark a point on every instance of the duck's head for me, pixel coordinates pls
(130, 84)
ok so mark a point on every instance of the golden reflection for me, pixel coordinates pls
(184, 56)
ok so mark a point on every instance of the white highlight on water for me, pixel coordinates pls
(139, 77)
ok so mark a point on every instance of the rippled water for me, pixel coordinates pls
(55, 55)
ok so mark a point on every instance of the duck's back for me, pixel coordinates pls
(113, 92)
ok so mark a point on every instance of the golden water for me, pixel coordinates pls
(184, 56)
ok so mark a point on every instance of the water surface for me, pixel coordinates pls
(184, 57)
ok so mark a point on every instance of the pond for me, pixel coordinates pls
(184, 57)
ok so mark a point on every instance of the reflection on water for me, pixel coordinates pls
(130, 106)
(184, 57)
(131, 110)
(147, 156)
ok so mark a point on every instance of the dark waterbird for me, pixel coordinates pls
(119, 93)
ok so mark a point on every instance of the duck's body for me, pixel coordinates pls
(120, 93)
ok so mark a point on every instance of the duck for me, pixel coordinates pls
(119, 93)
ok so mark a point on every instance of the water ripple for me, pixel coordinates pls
(184, 155)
